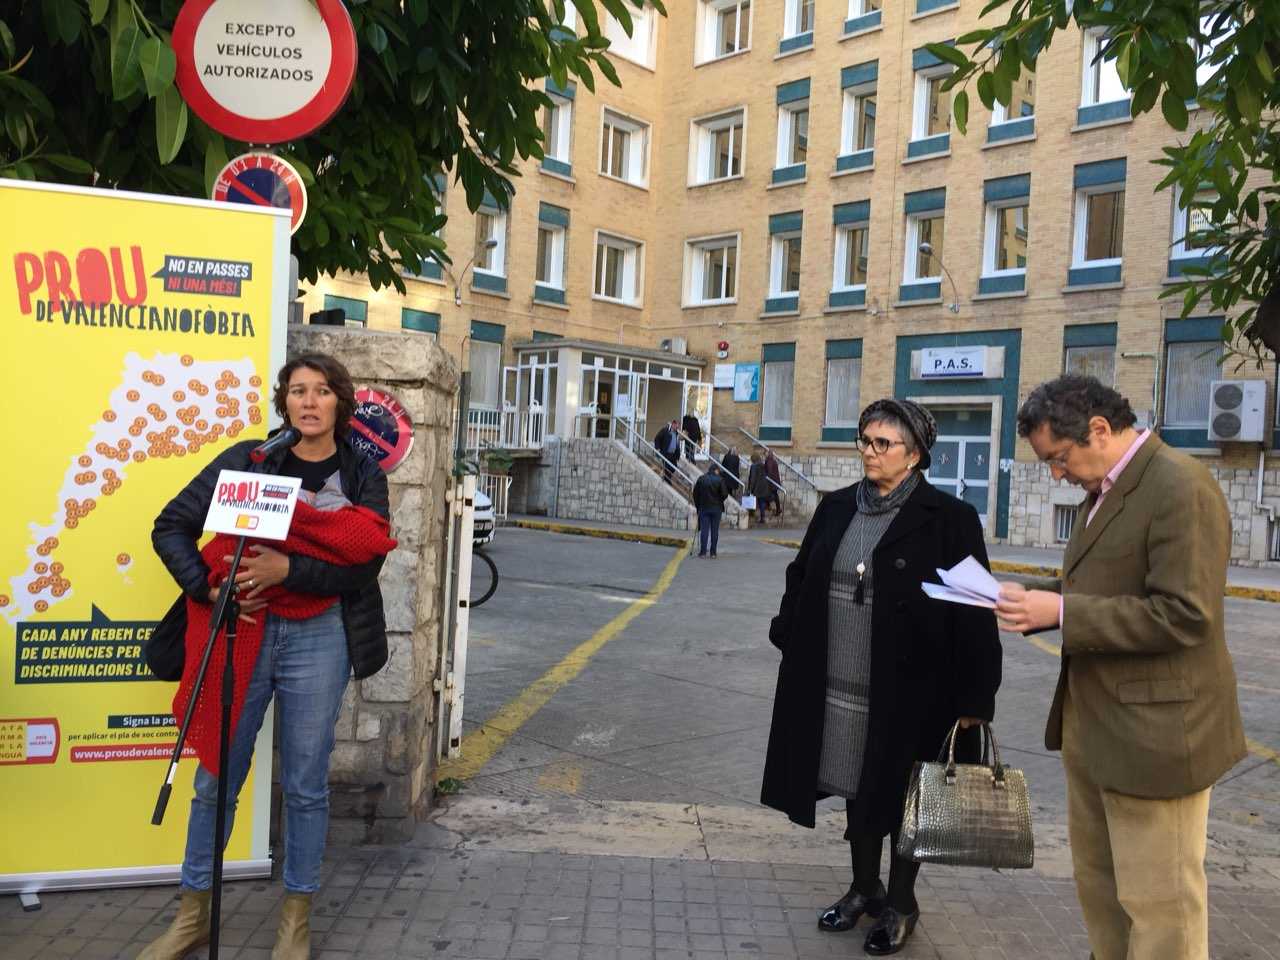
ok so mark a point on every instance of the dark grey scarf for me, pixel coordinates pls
(870, 500)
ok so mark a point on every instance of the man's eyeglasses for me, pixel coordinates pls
(880, 445)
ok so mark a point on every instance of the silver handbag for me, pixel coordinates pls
(968, 814)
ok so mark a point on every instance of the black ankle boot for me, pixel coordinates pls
(844, 913)
(891, 932)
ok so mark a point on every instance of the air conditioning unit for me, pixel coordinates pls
(674, 345)
(1236, 410)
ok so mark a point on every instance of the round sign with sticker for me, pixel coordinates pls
(265, 180)
(381, 427)
(265, 72)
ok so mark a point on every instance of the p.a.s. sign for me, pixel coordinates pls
(953, 363)
(265, 72)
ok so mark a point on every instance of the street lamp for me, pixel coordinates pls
(954, 305)
(457, 281)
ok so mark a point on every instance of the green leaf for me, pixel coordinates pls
(1144, 97)
(215, 158)
(171, 124)
(159, 64)
(15, 125)
(126, 72)
(987, 91)
(69, 164)
(978, 37)
(948, 54)
(376, 36)
(1263, 62)
(66, 18)
(1125, 64)
(1248, 101)
(1174, 109)
(1003, 87)
(960, 110)
(6, 41)
(98, 10)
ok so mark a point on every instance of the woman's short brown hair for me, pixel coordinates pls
(334, 373)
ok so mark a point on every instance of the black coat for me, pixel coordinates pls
(931, 661)
(732, 466)
(691, 427)
(663, 440)
(709, 493)
(181, 521)
(758, 483)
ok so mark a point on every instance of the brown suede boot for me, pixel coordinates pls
(293, 937)
(190, 929)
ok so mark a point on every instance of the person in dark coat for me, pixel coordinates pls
(708, 498)
(773, 473)
(732, 468)
(758, 484)
(873, 673)
(667, 443)
(693, 431)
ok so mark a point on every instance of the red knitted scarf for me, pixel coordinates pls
(347, 537)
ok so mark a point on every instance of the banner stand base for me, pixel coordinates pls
(30, 902)
(31, 884)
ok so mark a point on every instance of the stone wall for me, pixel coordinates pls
(381, 773)
(602, 480)
(829, 473)
(1034, 495)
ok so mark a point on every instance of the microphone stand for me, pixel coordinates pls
(225, 614)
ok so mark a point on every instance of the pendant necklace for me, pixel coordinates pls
(861, 568)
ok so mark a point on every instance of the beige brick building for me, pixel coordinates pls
(782, 177)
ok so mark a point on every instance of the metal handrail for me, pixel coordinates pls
(741, 483)
(640, 446)
(764, 446)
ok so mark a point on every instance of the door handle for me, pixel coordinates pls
(963, 486)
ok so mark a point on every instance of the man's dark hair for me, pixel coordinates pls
(334, 373)
(1068, 403)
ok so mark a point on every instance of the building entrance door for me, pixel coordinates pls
(697, 400)
(962, 457)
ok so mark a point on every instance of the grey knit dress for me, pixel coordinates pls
(848, 700)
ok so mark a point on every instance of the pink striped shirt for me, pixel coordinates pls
(1108, 482)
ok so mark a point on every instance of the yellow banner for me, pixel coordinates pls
(140, 337)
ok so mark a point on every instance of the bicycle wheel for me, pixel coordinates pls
(483, 583)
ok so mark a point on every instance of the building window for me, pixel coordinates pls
(1191, 366)
(798, 18)
(724, 28)
(486, 374)
(850, 258)
(420, 321)
(355, 311)
(1101, 78)
(784, 264)
(557, 128)
(491, 225)
(1005, 249)
(1064, 521)
(618, 268)
(550, 258)
(1094, 361)
(793, 133)
(932, 115)
(923, 229)
(1099, 239)
(638, 48)
(624, 148)
(1022, 103)
(858, 119)
(570, 21)
(718, 147)
(712, 269)
(1189, 226)
(778, 387)
(844, 377)
(860, 8)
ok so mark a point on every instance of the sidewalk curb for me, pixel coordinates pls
(1035, 570)
(638, 536)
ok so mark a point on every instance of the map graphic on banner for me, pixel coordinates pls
(141, 337)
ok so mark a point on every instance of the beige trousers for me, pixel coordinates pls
(1139, 865)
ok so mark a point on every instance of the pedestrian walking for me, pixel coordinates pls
(708, 499)
(667, 444)
(1145, 712)
(873, 677)
(693, 434)
(732, 467)
(758, 484)
(774, 474)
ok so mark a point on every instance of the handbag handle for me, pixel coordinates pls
(989, 738)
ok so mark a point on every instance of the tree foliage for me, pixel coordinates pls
(87, 96)
(1233, 148)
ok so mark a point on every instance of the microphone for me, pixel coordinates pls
(284, 440)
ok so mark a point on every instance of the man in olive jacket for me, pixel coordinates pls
(1145, 711)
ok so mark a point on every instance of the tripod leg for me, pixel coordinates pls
(224, 758)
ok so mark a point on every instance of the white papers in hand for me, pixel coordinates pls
(967, 582)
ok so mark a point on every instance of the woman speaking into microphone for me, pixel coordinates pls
(311, 615)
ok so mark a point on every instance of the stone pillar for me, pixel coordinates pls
(381, 774)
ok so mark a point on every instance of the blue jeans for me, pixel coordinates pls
(305, 664)
(708, 525)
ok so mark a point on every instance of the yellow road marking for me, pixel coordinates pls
(479, 746)
(1256, 748)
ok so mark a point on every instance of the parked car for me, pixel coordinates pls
(484, 527)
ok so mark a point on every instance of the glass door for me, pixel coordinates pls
(697, 401)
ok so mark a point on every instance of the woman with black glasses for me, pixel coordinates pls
(874, 674)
